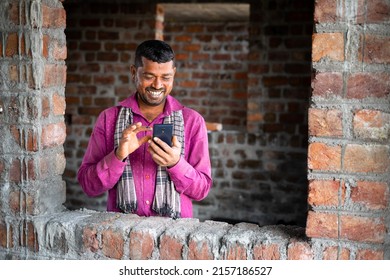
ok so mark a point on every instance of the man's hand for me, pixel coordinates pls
(129, 141)
(164, 155)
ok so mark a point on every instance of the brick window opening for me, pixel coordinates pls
(317, 172)
(255, 82)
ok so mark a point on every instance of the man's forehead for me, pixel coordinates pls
(151, 67)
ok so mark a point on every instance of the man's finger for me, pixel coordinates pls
(144, 139)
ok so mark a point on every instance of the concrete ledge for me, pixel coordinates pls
(87, 235)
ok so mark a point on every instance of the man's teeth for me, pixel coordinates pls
(155, 93)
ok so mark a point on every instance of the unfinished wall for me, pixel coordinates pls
(32, 86)
(348, 153)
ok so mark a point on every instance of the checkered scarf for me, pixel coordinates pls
(166, 199)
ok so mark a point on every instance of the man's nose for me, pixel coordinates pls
(157, 83)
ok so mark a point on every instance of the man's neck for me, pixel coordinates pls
(150, 112)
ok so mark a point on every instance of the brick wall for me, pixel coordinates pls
(346, 160)
(32, 86)
(349, 127)
(212, 68)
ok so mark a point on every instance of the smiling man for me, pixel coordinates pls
(142, 175)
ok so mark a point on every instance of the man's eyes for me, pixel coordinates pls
(151, 77)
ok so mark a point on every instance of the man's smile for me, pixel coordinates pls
(155, 93)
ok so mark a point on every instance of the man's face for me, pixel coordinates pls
(153, 81)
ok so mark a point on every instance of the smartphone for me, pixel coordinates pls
(164, 132)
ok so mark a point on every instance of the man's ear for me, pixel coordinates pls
(133, 72)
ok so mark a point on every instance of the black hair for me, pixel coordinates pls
(154, 50)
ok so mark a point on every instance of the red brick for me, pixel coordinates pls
(13, 13)
(59, 51)
(90, 111)
(53, 17)
(266, 252)
(367, 254)
(182, 57)
(108, 35)
(45, 46)
(324, 157)
(11, 48)
(107, 56)
(95, 67)
(371, 124)
(373, 11)
(13, 72)
(90, 241)
(366, 158)
(89, 46)
(53, 135)
(325, 122)
(325, 11)
(376, 49)
(199, 250)
(188, 84)
(327, 84)
(299, 251)
(15, 171)
(328, 45)
(322, 225)
(373, 195)
(126, 23)
(141, 245)
(170, 248)
(55, 75)
(325, 193)
(58, 105)
(254, 117)
(364, 85)
(45, 106)
(204, 38)
(192, 47)
(221, 57)
(336, 253)
(125, 47)
(275, 81)
(195, 28)
(236, 251)
(112, 244)
(362, 229)
(104, 79)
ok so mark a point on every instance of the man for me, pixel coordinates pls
(142, 175)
